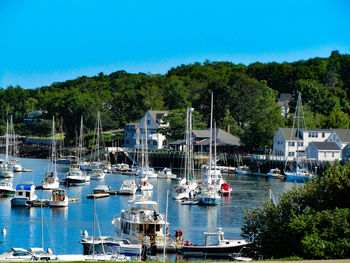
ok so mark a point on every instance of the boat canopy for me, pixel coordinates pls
(26, 187)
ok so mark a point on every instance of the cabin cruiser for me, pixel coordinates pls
(75, 176)
(5, 170)
(105, 244)
(6, 188)
(275, 173)
(25, 195)
(59, 198)
(243, 170)
(147, 172)
(128, 187)
(166, 173)
(97, 174)
(16, 254)
(120, 167)
(216, 245)
(102, 189)
(142, 222)
(145, 185)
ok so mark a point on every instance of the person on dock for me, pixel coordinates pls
(180, 236)
(176, 235)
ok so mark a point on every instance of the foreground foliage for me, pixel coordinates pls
(311, 221)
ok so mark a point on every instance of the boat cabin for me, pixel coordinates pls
(25, 190)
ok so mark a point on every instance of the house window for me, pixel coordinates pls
(333, 154)
(325, 154)
(290, 153)
(323, 135)
(155, 143)
(148, 122)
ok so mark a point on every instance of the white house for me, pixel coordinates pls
(288, 141)
(324, 151)
(342, 138)
(135, 133)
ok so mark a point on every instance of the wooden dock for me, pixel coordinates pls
(99, 195)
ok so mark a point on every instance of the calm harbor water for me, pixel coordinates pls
(63, 226)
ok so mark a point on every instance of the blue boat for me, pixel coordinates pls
(25, 195)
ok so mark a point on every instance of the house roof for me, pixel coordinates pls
(285, 97)
(157, 114)
(222, 138)
(343, 134)
(326, 146)
(287, 132)
(178, 142)
(290, 133)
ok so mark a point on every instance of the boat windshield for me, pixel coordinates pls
(144, 206)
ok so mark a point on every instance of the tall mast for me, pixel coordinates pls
(146, 144)
(80, 147)
(7, 141)
(211, 134)
(98, 136)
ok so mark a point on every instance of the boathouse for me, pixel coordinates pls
(225, 142)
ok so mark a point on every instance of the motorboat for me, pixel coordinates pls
(128, 187)
(59, 198)
(275, 173)
(299, 175)
(142, 222)
(225, 189)
(110, 245)
(120, 167)
(166, 173)
(69, 159)
(75, 176)
(145, 185)
(243, 170)
(5, 170)
(25, 195)
(97, 174)
(216, 245)
(38, 254)
(102, 189)
(16, 166)
(6, 188)
(147, 172)
(16, 254)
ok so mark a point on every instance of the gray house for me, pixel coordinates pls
(225, 142)
(135, 133)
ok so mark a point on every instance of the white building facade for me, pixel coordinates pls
(288, 141)
(324, 151)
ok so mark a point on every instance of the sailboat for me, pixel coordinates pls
(5, 170)
(14, 164)
(146, 171)
(76, 175)
(51, 180)
(209, 194)
(299, 174)
(187, 186)
(96, 165)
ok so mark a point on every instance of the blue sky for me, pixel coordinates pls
(44, 41)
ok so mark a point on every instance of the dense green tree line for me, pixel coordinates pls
(245, 97)
(311, 221)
